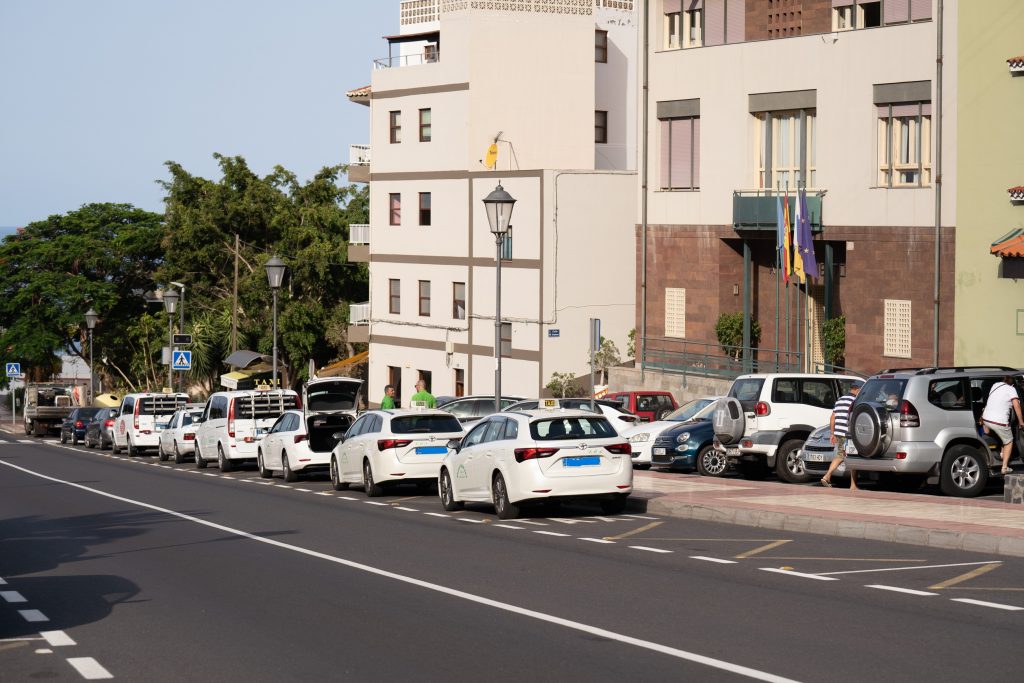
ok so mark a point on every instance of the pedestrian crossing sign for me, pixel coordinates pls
(182, 360)
(13, 369)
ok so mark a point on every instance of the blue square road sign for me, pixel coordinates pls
(13, 369)
(182, 360)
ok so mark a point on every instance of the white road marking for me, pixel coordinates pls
(438, 514)
(12, 596)
(705, 558)
(372, 502)
(397, 507)
(550, 533)
(901, 569)
(225, 476)
(995, 605)
(167, 467)
(44, 651)
(530, 521)
(2, 582)
(817, 577)
(25, 441)
(503, 526)
(57, 638)
(471, 520)
(438, 588)
(897, 589)
(598, 540)
(347, 498)
(640, 517)
(304, 490)
(324, 493)
(210, 474)
(604, 519)
(250, 481)
(570, 521)
(89, 668)
(650, 550)
(33, 615)
(282, 486)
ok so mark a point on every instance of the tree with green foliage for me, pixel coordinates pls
(834, 332)
(729, 330)
(564, 385)
(606, 357)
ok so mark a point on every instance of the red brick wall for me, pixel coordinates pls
(767, 19)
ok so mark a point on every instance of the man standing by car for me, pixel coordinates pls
(388, 402)
(1001, 400)
(840, 426)
(423, 395)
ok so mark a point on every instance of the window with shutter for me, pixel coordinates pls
(897, 329)
(675, 312)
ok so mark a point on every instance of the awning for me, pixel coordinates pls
(334, 368)
(237, 380)
(249, 360)
(1010, 245)
(1016, 193)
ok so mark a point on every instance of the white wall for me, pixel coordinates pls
(616, 88)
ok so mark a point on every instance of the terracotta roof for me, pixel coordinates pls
(1009, 245)
(1016, 193)
(1016, 62)
(359, 92)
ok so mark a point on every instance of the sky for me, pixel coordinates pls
(95, 95)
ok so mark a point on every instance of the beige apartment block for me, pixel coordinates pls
(552, 84)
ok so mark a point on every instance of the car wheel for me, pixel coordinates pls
(505, 508)
(222, 461)
(336, 483)
(163, 455)
(264, 472)
(63, 439)
(132, 450)
(753, 470)
(178, 457)
(447, 493)
(200, 460)
(114, 448)
(373, 489)
(74, 439)
(788, 466)
(964, 472)
(286, 469)
(614, 506)
(711, 463)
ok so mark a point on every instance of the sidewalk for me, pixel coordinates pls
(935, 521)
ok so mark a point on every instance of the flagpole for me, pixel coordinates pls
(778, 277)
(789, 347)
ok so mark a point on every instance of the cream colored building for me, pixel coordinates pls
(530, 76)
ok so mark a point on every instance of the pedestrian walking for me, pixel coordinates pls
(388, 402)
(1002, 399)
(840, 425)
(423, 395)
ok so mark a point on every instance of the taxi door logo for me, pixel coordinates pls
(461, 473)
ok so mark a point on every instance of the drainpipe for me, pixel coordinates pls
(643, 201)
(937, 170)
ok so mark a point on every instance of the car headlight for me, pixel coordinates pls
(639, 438)
(683, 438)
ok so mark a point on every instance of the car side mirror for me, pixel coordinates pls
(197, 420)
(455, 444)
(338, 436)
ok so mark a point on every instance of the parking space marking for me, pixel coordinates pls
(897, 589)
(471, 520)
(650, 550)
(399, 507)
(761, 549)
(597, 540)
(570, 521)
(12, 596)
(530, 521)
(633, 532)
(210, 474)
(32, 615)
(901, 569)
(369, 502)
(347, 498)
(549, 533)
(282, 486)
(503, 526)
(225, 476)
(994, 605)
(324, 493)
(57, 638)
(974, 573)
(790, 572)
(89, 668)
(25, 441)
(438, 514)
(304, 490)
(705, 558)
(406, 499)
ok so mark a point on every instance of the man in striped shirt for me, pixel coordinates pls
(840, 425)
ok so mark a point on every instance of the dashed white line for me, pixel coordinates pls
(89, 668)
(282, 486)
(57, 638)
(650, 550)
(397, 507)
(324, 493)
(25, 441)
(225, 476)
(43, 651)
(788, 572)
(550, 533)
(604, 519)
(12, 596)
(167, 467)
(373, 502)
(718, 560)
(503, 526)
(530, 521)
(473, 521)
(304, 490)
(640, 517)
(32, 615)
(569, 521)
(347, 498)
(897, 589)
(903, 569)
(598, 540)
(994, 605)
(438, 514)
(210, 474)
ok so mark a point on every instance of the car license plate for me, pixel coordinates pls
(732, 452)
(659, 451)
(814, 457)
(582, 461)
(431, 450)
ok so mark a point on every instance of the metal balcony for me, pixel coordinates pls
(359, 163)
(358, 330)
(757, 210)
(359, 243)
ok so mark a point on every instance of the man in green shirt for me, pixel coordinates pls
(388, 402)
(423, 395)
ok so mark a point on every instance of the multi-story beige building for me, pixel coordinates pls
(552, 83)
(836, 96)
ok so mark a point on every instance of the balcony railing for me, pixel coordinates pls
(359, 314)
(428, 56)
(758, 209)
(358, 155)
(359, 233)
(686, 357)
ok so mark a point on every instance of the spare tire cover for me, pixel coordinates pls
(729, 421)
(868, 424)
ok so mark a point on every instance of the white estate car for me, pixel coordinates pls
(387, 446)
(178, 438)
(619, 419)
(140, 419)
(532, 455)
(233, 423)
(642, 437)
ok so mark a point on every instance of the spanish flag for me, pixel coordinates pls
(787, 240)
(491, 160)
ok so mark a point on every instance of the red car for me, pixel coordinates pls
(649, 406)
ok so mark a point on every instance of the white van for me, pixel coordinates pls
(234, 421)
(140, 419)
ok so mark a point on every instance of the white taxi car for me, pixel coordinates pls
(533, 455)
(387, 446)
(233, 423)
(140, 419)
(179, 436)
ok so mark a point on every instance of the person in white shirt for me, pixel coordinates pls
(996, 419)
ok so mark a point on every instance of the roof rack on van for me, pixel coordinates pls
(950, 368)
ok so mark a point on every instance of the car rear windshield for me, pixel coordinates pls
(887, 390)
(690, 411)
(333, 397)
(556, 429)
(747, 392)
(263, 405)
(87, 413)
(425, 424)
(161, 405)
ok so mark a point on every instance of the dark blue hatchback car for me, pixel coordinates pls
(688, 445)
(73, 427)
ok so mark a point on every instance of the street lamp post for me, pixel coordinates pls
(498, 205)
(181, 320)
(170, 305)
(91, 316)
(275, 275)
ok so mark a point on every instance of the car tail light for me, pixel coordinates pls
(628, 418)
(108, 423)
(138, 404)
(79, 424)
(619, 448)
(298, 402)
(299, 438)
(384, 444)
(231, 419)
(762, 409)
(523, 454)
(190, 437)
(746, 443)
(901, 456)
(908, 415)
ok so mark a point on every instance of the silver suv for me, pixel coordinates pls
(923, 422)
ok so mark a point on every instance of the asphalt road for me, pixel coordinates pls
(160, 572)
